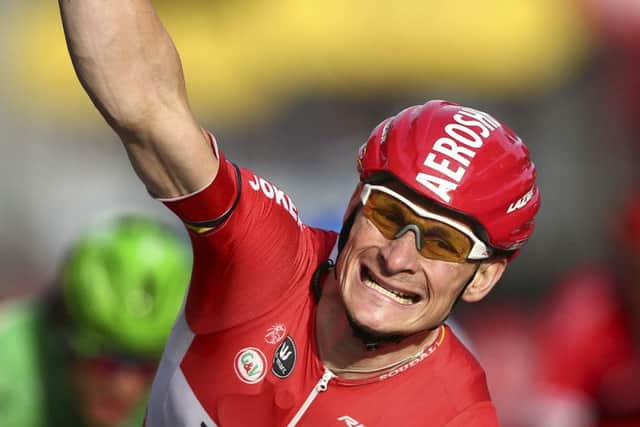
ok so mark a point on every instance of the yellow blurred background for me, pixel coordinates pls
(295, 86)
(245, 60)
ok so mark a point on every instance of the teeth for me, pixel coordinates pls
(394, 295)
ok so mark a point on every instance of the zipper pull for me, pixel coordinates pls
(324, 381)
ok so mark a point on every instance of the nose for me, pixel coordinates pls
(400, 254)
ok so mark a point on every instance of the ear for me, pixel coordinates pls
(485, 279)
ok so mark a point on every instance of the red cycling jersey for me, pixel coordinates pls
(243, 350)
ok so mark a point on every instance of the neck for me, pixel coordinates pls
(345, 354)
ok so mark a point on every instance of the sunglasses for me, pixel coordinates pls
(437, 237)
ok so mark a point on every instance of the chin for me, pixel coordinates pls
(369, 335)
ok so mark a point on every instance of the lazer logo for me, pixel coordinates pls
(350, 421)
(521, 202)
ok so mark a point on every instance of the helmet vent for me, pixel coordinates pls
(385, 130)
(141, 301)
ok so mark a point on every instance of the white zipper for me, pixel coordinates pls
(320, 386)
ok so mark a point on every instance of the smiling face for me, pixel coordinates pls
(388, 288)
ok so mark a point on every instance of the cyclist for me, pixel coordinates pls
(285, 324)
(86, 354)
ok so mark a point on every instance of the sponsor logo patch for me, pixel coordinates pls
(250, 365)
(275, 333)
(284, 359)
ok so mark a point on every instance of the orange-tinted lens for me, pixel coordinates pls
(436, 240)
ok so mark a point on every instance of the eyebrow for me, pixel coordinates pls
(437, 229)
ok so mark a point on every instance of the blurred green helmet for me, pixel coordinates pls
(123, 284)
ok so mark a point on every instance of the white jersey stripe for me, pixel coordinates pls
(172, 403)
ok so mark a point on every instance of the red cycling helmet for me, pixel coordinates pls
(464, 160)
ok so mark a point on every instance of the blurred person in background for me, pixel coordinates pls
(85, 355)
(286, 324)
(589, 336)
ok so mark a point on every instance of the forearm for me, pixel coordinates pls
(130, 68)
(125, 60)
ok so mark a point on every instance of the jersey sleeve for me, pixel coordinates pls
(250, 248)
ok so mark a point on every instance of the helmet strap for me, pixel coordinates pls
(459, 297)
(346, 230)
(316, 288)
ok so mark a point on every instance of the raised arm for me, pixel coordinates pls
(130, 68)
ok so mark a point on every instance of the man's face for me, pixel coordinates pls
(109, 393)
(388, 288)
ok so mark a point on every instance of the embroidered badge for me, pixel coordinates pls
(275, 333)
(250, 365)
(284, 359)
